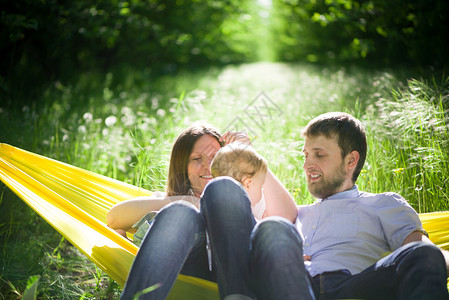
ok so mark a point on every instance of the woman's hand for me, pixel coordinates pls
(235, 136)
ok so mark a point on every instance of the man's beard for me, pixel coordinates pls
(328, 187)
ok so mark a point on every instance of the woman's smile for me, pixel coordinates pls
(200, 158)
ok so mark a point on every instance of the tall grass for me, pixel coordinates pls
(409, 145)
(123, 125)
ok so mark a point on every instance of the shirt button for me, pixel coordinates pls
(314, 226)
(307, 244)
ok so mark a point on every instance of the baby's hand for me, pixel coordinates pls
(235, 136)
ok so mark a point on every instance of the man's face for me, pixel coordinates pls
(324, 167)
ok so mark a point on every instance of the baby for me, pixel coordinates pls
(245, 165)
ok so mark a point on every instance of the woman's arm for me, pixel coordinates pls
(279, 202)
(125, 214)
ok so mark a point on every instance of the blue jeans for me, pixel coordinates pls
(175, 243)
(277, 262)
(414, 271)
(229, 221)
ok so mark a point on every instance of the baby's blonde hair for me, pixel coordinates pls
(238, 160)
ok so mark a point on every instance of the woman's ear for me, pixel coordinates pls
(246, 181)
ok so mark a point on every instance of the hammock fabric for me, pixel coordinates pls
(75, 202)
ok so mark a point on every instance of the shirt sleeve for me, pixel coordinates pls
(398, 219)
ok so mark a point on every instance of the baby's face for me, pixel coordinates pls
(256, 187)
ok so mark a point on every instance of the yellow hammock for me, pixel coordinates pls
(75, 202)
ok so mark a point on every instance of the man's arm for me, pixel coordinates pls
(418, 236)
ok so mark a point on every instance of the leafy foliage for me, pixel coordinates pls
(383, 31)
(51, 40)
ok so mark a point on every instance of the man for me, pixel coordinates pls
(338, 251)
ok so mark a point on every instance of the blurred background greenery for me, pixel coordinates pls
(107, 86)
(48, 40)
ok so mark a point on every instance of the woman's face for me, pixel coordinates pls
(198, 168)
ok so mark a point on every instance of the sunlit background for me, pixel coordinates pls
(108, 85)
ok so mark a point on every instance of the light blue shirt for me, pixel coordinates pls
(352, 230)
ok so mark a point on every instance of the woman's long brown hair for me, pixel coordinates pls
(178, 180)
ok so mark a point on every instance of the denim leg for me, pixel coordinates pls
(227, 212)
(277, 262)
(421, 272)
(176, 237)
(414, 271)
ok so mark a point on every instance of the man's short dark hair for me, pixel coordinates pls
(348, 131)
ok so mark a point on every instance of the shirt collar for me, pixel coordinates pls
(351, 193)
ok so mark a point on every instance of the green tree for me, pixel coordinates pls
(383, 31)
(47, 40)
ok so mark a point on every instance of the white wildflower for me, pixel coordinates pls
(82, 129)
(160, 112)
(88, 117)
(111, 120)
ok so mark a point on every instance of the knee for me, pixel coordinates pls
(222, 191)
(275, 239)
(427, 253)
(222, 185)
(423, 256)
(180, 212)
(275, 232)
(179, 207)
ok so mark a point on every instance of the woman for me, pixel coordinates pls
(187, 175)
(176, 242)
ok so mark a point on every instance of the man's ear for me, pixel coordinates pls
(246, 181)
(352, 159)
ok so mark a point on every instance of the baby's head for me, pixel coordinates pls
(245, 165)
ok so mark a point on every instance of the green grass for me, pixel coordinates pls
(123, 125)
(409, 145)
